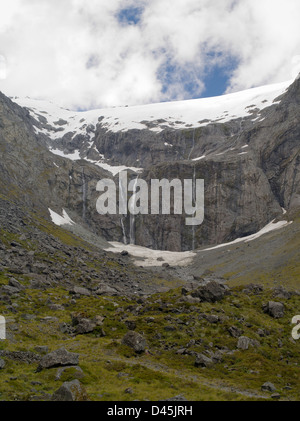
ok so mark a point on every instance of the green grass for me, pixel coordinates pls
(111, 368)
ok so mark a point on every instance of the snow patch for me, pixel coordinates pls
(75, 156)
(148, 257)
(272, 226)
(155, 117)
(114, 170)
(200, 157)
(60, 220)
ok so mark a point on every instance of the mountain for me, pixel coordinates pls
(182, 314)
(244, 145)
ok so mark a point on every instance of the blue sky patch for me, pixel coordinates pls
(130, 15)
(216, 77)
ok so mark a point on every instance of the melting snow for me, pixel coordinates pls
(200, 157)
(73, 156)
(272, 226)
(149, 257)
(114, 170)
(60, 220)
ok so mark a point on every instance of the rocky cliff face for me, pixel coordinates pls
(250, 166)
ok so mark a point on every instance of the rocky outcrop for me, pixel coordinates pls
(244, 343)
(135, 340)
(274, 309)
(70, 392)
(57, 358)
(211, 292)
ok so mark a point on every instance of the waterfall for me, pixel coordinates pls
(193, 145)
(123, 230)
(132, 217)
(124, 200)
(84, 195)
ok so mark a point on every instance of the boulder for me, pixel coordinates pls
(103, 289)
(80, 291)
(60, 357)
(244, 343)
(235, 332)
(71, 392)
(274, 309)
(8, 289)
(268, 387)
(84, 326)
(212, 318)
(211, 292)
(253, 289)
(281, 293)
(135, 341)
(16, 284)
(189, 299)
(203, 361)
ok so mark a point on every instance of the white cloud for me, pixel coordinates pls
(78, 54)
(2, 67)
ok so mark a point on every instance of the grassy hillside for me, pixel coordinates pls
(175, 332)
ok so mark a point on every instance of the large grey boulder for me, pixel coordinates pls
(84, 326)
(135, 341)
(211, 292)
(235, 332)
(203, 361)
(103, 289)
(60, 357)
(15, 284)
(80, 291)
(71, 392)
(274, 309)
(268, 387)
(281, 293)
(244, 343)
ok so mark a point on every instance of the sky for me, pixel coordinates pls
(85, 54)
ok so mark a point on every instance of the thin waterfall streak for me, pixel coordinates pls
(124, 232)
(132, 216)
(193, 145)
(122, 217)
